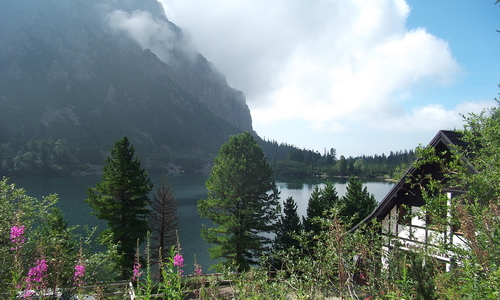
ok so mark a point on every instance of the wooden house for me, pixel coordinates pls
(403, 224)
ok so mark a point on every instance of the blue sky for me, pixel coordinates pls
(469, 27)
(361, 76)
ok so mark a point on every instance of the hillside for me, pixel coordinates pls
(77, 75)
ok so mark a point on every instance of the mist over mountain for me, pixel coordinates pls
(76, 75)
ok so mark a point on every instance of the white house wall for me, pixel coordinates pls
(417, 234)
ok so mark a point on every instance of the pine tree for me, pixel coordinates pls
(357, 203)
(121, 198)
(320, 201)
(342, 165)
(288, 224)
(242, 203)
(164, 220)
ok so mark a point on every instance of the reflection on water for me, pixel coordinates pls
(188, 189)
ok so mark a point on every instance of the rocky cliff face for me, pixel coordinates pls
(86, 72)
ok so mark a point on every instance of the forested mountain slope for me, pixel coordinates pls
(77, 75)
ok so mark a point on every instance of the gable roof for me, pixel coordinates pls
(400, 192)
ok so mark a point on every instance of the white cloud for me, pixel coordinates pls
(431, 117)
(334, 67)
(150, 33)
(319, 61)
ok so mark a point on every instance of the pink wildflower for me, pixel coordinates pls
(197, 270)
(37, 273)
(17, 236)
(79, 274)
(35, 278)
(137, 271)
(79, 271)
(178, 261)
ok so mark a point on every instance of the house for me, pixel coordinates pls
(403, 223)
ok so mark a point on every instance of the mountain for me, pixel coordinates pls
(76, 75)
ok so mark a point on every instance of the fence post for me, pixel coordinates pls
(131, 291)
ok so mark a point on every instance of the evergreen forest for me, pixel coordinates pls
(56, 157)
(288, 160)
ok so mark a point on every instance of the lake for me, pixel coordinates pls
(188, 189)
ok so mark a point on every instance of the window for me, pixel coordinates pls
(404, 215)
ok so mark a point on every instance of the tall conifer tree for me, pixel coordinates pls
(288, 224)
(242, 203)
(121, 198)
(357, 203)
(320, 201)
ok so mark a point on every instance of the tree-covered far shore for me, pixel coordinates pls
(54, 157)
(290, 161)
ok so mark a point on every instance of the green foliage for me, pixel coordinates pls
(304, 163)
(481, 134)
(18, 209)
(477, 210)
(357, 203)
(242, 202)
(327, 272)
(288, 225)
(46, 237)
(296, 155)
(411, 275)
(275, 151)
(121, 198)
(320, 201)
(101, 266)
(291, 168)
(46, 156)
(255, 284)
(472, 168)
(60, 247)
(170, 284)
(342, 166)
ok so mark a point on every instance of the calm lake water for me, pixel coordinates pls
(187, 188)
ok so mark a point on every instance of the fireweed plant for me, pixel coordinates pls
(143, 288)
(36, 279)
(17, 214)
(17, 236)
(39, 254)
(17, 239)
(171, 274)
(200, 280)
(79, 274)
(170, 271)
(35, 284)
